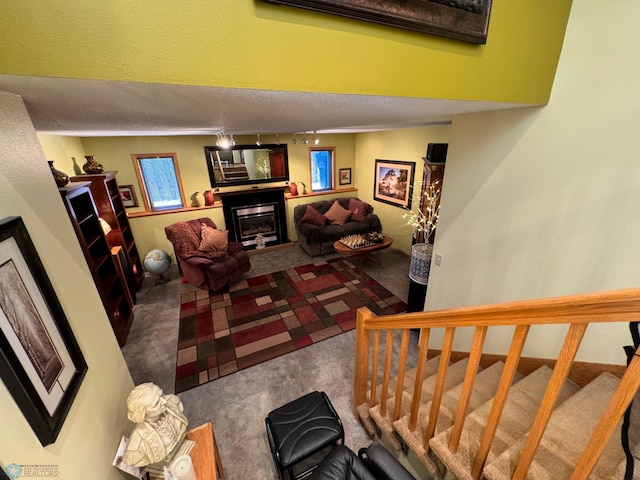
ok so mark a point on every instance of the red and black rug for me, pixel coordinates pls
(263, 317)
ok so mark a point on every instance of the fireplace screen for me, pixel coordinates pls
(250, 221)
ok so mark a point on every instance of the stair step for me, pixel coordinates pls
(565, 438)
(517, 416)
(455, 375)
(430, 368)
(484, 388)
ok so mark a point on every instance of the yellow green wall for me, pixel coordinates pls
(90, 435)
(251, 44)
(355, 151)
(114, 153)
(407, 145)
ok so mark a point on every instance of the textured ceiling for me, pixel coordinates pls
(107, 108)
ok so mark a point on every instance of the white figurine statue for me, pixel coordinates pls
(160, 425)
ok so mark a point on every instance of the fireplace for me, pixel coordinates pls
(249, 213)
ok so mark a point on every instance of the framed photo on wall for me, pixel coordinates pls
(40, 361)
(128, 196)
(466, 20)
(345, 176)
(393, 181)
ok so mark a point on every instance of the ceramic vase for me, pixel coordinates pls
(61, 178)
(198, 199)
(304, 189)
(420, 263)
(92, 166)
(209, 198)
(293, 188)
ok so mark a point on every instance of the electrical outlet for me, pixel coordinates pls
(438, 259)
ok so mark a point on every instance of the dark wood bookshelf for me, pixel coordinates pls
(111, 284)
(106, 195)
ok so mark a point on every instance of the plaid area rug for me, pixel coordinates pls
(263, 317)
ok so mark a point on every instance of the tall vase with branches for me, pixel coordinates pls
(424, 221)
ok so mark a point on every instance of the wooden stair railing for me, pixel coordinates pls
(578, 311)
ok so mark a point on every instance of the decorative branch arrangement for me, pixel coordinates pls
(425, 219)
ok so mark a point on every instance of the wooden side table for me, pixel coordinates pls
(365, 252)
(205, 454)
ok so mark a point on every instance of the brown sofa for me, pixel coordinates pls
(317, 240)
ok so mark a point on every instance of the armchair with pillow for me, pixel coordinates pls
(320, 224)
(205, 256)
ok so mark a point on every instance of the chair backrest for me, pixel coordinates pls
(322, 206)
(185, 236)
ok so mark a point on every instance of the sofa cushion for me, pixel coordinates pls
(359, 210)
(337, 215)
(213, 240)
(314, 217)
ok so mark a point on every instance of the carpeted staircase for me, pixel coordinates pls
(576, 413)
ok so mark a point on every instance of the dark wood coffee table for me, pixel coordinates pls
(365, 252)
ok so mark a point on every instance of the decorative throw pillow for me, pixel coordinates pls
(358, 210)
(213, 240)
(337, 215)
(314, 217)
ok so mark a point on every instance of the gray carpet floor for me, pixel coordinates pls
(237, 404)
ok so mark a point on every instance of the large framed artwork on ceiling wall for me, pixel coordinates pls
(466, 20)
(393, 181)
(40, 361)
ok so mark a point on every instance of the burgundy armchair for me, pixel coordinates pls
(205, 269)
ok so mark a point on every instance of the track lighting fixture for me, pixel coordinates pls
(277, 139)
(295, 139)
(225, 141)
(304, 138)
(258, 142)
(316, 140)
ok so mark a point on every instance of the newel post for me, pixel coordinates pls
(363, 338)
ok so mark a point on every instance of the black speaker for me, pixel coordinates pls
(437, 153)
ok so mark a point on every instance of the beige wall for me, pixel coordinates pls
(408, 145)
(97, 420)
(355, 151)
(114, 153)
(545, 201)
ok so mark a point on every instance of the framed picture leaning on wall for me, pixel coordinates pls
(40, 361)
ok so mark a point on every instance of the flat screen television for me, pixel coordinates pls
(437, 153)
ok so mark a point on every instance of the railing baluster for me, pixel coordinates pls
(417, 387)
(467, 387)
(402, 366)
(560, 372)
(509, 370)
(387, 373)
(374, 368)
(619, 402)
(445, 357)
(363, 341)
